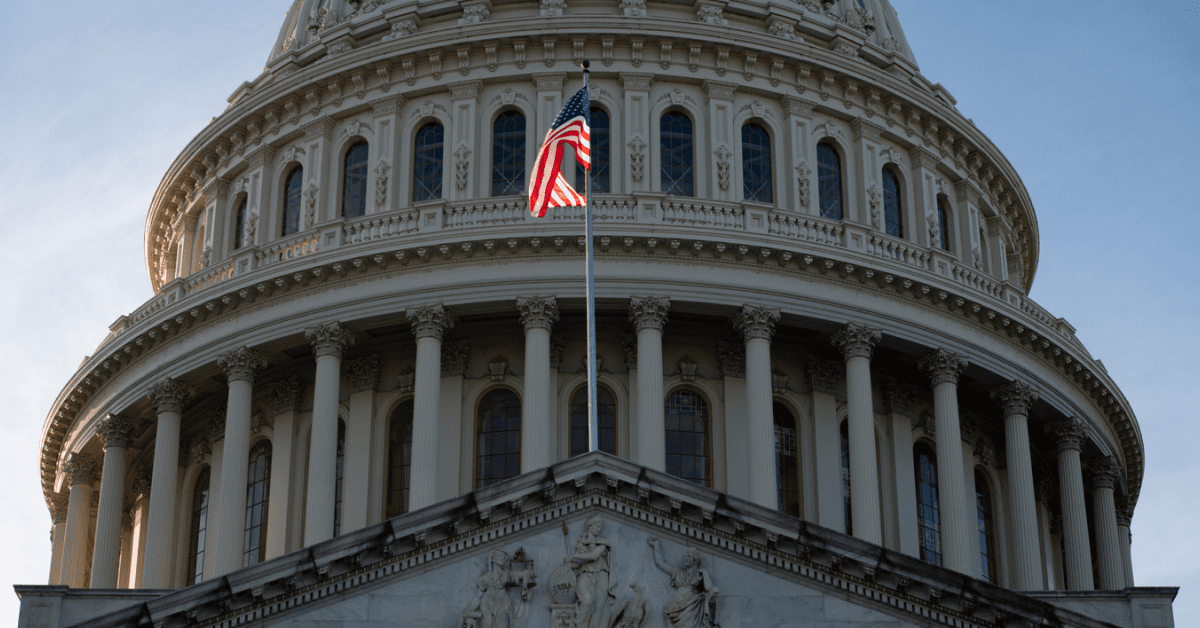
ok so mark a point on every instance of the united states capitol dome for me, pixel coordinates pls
(362, 375)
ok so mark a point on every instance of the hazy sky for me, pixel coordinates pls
(1094, 103)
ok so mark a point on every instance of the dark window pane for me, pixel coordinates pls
(928, 517)
(787, 478)
(427, 162)
(829, 181)
(354, 181)
(943, 224)
(239, 225)
(687, 453)
(195, 570)
(678, 173)
(756, 163)
(893, 219)
(499, 454)
(399, 450)
(987, 533)
(508, 154)
(292, 189)
(337, 490)
(600, 130)
(258, 490)
(606, 412)
(847, 511)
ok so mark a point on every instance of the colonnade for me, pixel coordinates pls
(756, 324)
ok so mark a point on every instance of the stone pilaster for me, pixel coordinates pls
(429, 325)
(857, 342)
(757, 326)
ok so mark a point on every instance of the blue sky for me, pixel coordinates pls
(1094, 103)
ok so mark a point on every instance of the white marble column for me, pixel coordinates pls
(757, 325)
(106, 554)
(1104, 473)
(649, 315)
(168, 397)
(538, 315)
(1069, 435)
(429, 325)
(857, 342)
(228, 533)
(1124, 518)
(1014, 399)
(58, 533)
(958, 516)
(328, 341)
(82, 471)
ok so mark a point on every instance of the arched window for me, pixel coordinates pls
(354, 181)
(199, 524)
(427, 162)
(291, 200)
(893, 219)
(258, 489)
(498, 456)
(756, 163)
(847, 512)
(943, 218)
(687, 436)
(341, 473)
(600, 132)
(678, 154)
(928, 518)
(508, 154)
(606, 416)
(987, 533)
(239, 224)
(829, 181)
(399, 458)
(983, 249)
(787, 479)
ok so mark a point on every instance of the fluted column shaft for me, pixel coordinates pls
(1015, 399)
(228, 535)
(1104, 473)
(649, 315)
(757, 325)
(328, 340)
(958, 522)
(429, 324)
(169, 397)
(1124, 518)
(82, 469)
(58, 535)
(1069, 433)
(538, 315)
(857, 343)
(106, 554)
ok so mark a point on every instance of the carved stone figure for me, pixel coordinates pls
(493, 607)
(632, 612)
(637, 155)
(694, 602)
(590, 560)
(310, 205)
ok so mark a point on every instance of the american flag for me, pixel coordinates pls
(571, 128)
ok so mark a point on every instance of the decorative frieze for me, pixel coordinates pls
(330, 338)
(732, 358)
(454, 357)
(285, 394)
(901, 397)
(362, 372)
(823, 375)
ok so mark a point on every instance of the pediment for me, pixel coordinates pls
(494, 559)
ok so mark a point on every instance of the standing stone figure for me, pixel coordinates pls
(493, 607)
(694, 602)
(590, 560)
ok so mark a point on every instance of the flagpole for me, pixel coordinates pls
(593, 423)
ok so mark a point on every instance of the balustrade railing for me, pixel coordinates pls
(379, 227)
(602, 211)
(486, 214)
(976, 280)
(699, 214)
(297, 247)
(898, 250)
(805, 228)
(207, 278)
(147, 309)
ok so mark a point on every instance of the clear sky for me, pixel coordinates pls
(1095, 104)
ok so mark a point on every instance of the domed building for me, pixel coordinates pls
(360, 391)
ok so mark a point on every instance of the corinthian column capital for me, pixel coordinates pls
(856, 340)
(756, 321)
(1068, 433)
(116, 430)
(943, 367)
(82, 468)
(241, 364)
(1014, 397)
(329, 339)
(1104, 472)
(431, 321)
(538, 312)
(649, 312)
(170, 395)
(59, 501)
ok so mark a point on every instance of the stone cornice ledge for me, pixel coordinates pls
(731, 528)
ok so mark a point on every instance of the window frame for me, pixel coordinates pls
(707, 454)
(943, 223)
(420, 193)
(364, 165)
(925, 530)
(405, 465)
(893, 203)
(478, 463)
(688, 172)
(198, 527)
(616, 417)
(780, 472)
(249, 560)
(764, 150)
(985, 509)
(517, 185)
(288, 212)
(601, 153)
(840, 201)
(241, 205)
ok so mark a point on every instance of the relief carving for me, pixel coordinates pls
(694, 602)
(493, 607)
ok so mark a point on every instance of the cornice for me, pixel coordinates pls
(242, 126)
(1022, 323)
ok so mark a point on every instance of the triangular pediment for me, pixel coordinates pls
(494, 558)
